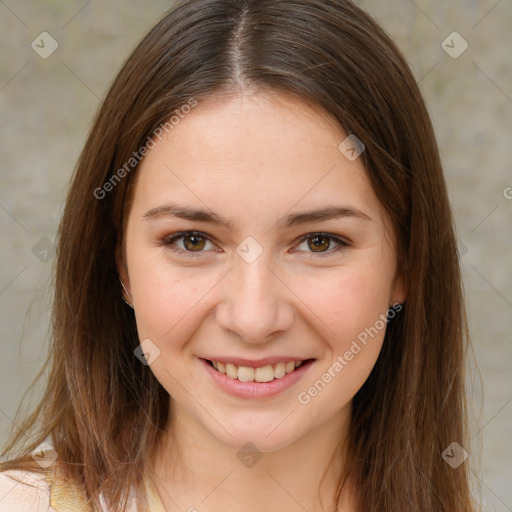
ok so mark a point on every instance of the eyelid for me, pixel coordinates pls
(168, 242)
(339, 240)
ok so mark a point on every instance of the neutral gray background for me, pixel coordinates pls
(46, 106)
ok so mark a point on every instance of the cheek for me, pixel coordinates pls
(350, 312)
(167, 297)
(346, 301)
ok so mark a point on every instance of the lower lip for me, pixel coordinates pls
(257, 389)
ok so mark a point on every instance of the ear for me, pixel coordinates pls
(398, 291)
(121, 267)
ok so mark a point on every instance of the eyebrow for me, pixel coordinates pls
(294, 219)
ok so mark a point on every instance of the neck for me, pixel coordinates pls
(194, 471)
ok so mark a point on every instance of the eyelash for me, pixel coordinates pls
(168, 241)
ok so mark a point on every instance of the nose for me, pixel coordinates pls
(256, 303)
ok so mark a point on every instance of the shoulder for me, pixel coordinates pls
(24, 491)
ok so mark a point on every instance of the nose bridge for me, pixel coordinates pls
(255, 305)
(254, 282)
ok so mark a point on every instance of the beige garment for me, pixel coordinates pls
(40, 493)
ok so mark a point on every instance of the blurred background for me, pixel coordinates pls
(57, 60)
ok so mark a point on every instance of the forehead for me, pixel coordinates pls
(251, 154)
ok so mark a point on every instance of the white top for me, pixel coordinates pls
(25, 491)
(21, 497)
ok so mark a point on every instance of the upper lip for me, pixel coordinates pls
(255, 363)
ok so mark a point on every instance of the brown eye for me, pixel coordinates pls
(318, 243)
(194, 242)
(187, 243)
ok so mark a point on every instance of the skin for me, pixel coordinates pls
(253, 159)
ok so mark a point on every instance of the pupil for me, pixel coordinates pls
(193, 244)
(317, 245)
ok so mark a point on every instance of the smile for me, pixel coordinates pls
(260, 382)
(262, 374)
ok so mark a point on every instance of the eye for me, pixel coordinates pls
(320, 243)
(193, 242)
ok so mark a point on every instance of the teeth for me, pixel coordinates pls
(246, 374)
(265, 374)
(279, 370)
(231, 371)
(262, 374)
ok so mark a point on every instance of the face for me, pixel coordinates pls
(258, 280)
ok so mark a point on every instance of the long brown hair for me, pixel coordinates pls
(333, 55)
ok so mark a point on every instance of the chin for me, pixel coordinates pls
(270, 437)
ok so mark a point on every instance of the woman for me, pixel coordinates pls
(262, 188)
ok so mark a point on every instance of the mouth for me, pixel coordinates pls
(266, 373)
(263, 382)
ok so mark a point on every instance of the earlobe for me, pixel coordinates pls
(121, 263)
(122, 272)
(125, 291)
(399, 294)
